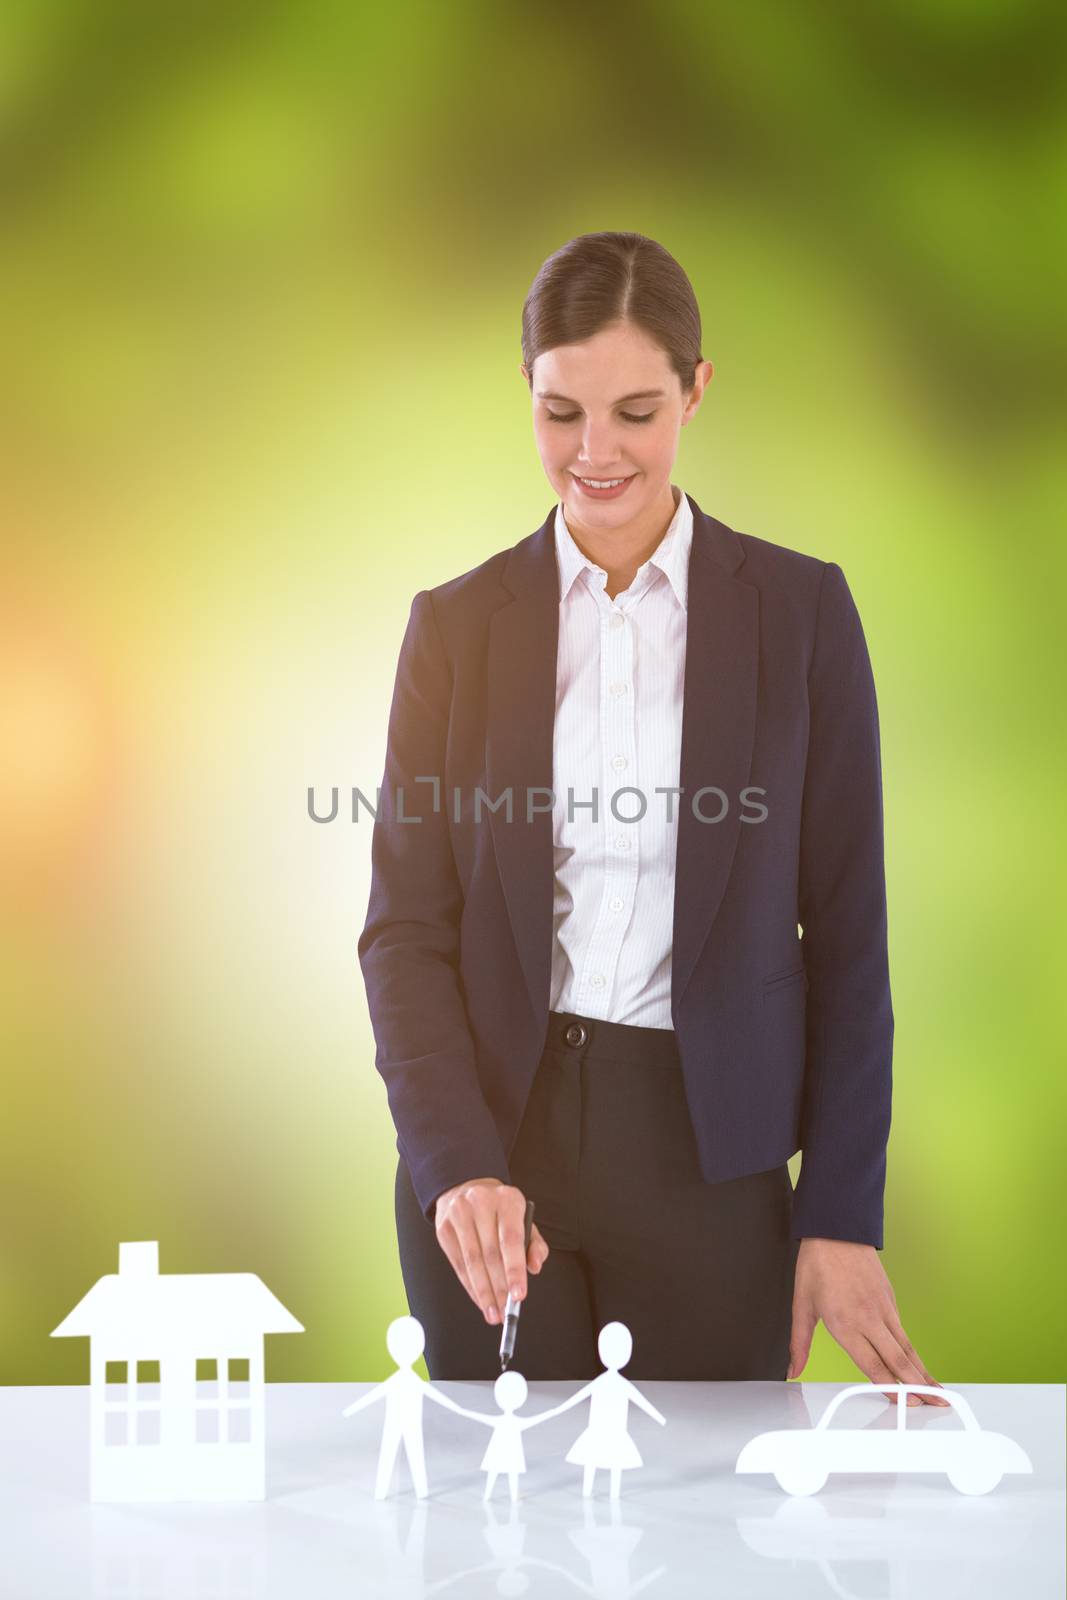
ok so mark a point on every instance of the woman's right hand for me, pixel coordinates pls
(480, 1227)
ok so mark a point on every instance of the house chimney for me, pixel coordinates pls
(139, 1260)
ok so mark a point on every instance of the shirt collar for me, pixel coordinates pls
(671, 555)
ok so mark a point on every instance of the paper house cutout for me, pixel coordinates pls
(801, 1458)
(176, 1380)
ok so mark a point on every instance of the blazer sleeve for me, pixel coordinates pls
(847, 1093)
(409, 947)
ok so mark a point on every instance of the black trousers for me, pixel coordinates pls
(701, 1274)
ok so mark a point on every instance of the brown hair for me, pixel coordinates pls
(600, 278)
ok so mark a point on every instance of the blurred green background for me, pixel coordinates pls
(262, 273)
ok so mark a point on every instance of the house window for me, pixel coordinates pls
(207, 1379)
(115, 1384)
(131, 1403)
(224, 1400)
(147, 1382)
(147, 1425)
(207, 1424)
(116, 1426)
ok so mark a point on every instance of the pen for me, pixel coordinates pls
(513, 1307)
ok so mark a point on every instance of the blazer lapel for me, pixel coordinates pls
(718, 733)
(523, 639)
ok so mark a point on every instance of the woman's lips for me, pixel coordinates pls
(604, 494)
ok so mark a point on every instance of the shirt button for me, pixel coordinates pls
(622, 842)
(616, 904)
(618, 762)
(617, 619)
(597, 980)
(618, 687)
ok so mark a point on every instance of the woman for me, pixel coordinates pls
(629, 760)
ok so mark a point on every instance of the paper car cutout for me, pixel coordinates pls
(801, 1458)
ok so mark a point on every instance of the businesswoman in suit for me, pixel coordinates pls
(629, 759)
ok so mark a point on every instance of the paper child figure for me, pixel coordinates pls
(608, 1549)
(403, 1392)
(504, 1452)
(605, 1442)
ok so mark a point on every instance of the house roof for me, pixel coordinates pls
(178, 1308)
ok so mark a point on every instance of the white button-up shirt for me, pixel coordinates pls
(620, 671)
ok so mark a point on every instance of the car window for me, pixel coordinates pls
(956, 1402)
(838, 1401)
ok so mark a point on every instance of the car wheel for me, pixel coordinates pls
(800, 1480)
(974, 1479)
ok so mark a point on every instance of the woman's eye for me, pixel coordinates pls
(626, 416)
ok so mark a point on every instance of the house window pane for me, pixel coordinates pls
(148, 1381)
(114, 1427)
(207, 1426)
(237, 1368)
(115, 1377)
(207, 1372)
(148, 1426)
(239, 1424)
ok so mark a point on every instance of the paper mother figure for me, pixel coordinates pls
(606, 1442)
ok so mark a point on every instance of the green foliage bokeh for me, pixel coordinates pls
(262, 275)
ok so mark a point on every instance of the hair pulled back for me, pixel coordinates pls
(600, 278)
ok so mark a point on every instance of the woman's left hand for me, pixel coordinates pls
(845, 1284)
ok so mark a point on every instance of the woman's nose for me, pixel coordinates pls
(600, 450)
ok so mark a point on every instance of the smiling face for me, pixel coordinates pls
(608, 409)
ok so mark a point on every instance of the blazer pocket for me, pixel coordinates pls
(785, 980)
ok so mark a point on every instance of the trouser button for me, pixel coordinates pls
(576, 1035)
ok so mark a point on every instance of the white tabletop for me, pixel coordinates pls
(684, 1524)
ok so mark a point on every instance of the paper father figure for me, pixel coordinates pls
(403, 1392)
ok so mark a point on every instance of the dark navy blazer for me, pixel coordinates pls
(785, 1041)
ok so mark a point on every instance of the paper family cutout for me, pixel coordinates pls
(177, 1403)
(604, 1443)
(801, 1458)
